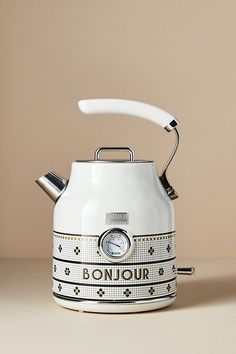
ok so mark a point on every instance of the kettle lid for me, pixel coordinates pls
(115, 148)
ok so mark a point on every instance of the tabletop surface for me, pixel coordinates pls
(202, 320)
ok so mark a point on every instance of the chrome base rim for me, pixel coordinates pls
(116, 307)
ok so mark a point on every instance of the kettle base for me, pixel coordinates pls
(98, 307)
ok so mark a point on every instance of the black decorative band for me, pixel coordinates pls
(114, 285)
(171, 295)
(111, 264)
(146, 235)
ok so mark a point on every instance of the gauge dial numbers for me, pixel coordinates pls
(116, 245)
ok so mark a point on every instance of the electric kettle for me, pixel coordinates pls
(114, 229)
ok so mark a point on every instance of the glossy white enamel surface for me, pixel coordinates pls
(96, 189)
(134, 108)
(85, 280)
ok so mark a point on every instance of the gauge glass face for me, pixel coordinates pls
(115, 244)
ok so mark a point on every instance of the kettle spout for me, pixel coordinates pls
(52, 184)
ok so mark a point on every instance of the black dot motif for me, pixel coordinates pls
(59, 287)
(168, 287)
(127, 292)
(151, 251)
(55, 268)
(67, 271)
(151, 291)
(161, 271)
(60, 248)
(174, 269)
(77, 250)
(76, 290)
(168, 248)
(100, 292)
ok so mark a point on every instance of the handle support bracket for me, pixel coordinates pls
(163, 178)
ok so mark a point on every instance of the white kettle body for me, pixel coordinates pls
(114, 229)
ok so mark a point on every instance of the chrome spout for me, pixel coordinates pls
(52, 184)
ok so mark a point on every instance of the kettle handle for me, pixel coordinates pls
(133, 108)
(141, 110)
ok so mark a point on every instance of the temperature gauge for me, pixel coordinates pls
(116, 245)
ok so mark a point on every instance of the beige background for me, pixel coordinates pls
(178, 55)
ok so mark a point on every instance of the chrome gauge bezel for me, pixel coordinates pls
(124, 233)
